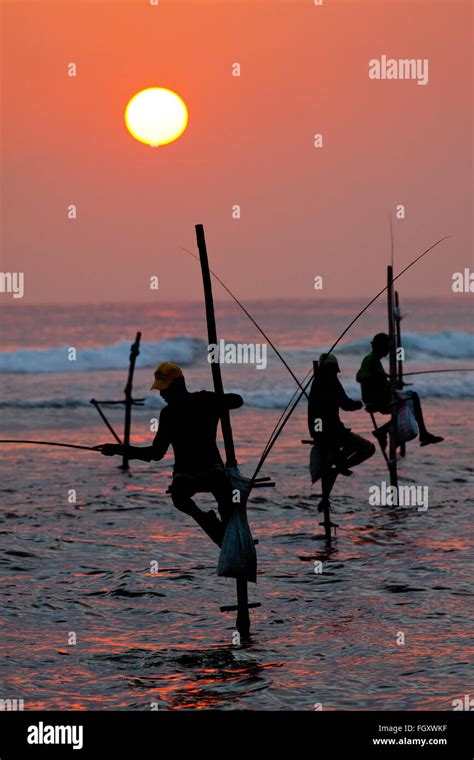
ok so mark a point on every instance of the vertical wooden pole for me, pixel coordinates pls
(326, 480)
(398, 320)
(393, 378)
(212, 338)
(134, 351)
(326, 489)
(243, 620)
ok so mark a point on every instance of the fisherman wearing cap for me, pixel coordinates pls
(336, 448)
(189, 424)
(375, 386)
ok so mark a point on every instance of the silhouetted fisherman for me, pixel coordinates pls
(189, 424)
(336, 448)
(375, 385)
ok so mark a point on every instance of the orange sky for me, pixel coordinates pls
(249, 141)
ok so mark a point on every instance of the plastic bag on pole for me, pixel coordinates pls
(238, 558)
(407, 429)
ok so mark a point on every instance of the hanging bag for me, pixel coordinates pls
(407, 429)
(238, 558)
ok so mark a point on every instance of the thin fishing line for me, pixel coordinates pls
(254, 322)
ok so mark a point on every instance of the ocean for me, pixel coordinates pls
(110, 595)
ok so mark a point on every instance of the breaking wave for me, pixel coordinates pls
(181, 350)
(184, 350)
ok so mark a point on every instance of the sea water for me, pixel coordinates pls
(110, 596)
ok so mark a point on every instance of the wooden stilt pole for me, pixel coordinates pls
(243, 620)
(212, 338)
(134, 351)
(328, 473)
(327, 488)
(392, 463)
(398, 319)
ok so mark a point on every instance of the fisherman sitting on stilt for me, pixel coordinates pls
(375, 385)
(336, 449)
(189, 423)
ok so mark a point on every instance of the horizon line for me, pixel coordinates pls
(256, 299)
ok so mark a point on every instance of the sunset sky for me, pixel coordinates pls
(304, 211)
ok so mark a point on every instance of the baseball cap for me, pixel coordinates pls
(165, 373)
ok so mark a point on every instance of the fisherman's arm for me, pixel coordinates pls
(233, 401)
(154, 453)
(345, 403)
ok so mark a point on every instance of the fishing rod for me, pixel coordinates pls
(291, 406)
(53, 443)
(432, 371)
(254, 322)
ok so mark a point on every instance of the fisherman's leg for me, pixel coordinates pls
(415, 400)
(182, 488)
(322, 464)
(357, 449)
(327, 481)
(381, 433)
(221, 489)
(181, 497)
(424, 436)
(385, 408)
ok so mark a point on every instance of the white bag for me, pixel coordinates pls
(238, 558)
(407, 429)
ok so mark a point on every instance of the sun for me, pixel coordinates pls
(156, 116)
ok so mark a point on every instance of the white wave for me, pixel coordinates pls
(181, 350)
(184, 350)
